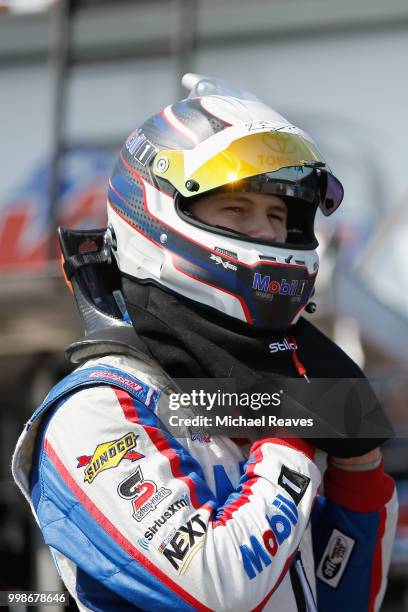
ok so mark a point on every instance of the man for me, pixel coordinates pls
(210, 257)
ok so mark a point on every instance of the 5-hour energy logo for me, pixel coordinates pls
(108, 455)
(144, 494)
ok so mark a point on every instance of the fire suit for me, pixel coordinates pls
(138, 520)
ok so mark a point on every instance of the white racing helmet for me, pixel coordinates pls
(221, 139)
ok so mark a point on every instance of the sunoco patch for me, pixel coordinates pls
(108, 455)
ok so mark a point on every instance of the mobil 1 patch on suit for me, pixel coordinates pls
(335, 558)
(293, 482)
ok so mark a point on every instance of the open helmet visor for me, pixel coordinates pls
(284, 157)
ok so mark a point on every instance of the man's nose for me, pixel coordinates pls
(261, 228)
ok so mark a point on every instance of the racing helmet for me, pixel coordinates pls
(220, 139)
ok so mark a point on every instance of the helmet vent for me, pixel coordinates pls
(268, 258)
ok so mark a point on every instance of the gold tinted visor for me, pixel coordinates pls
(245, 157)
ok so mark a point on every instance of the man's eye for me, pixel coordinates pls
(276, 216)
(237, 209)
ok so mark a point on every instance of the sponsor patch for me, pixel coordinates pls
(258, 553)
(185, 543)
(264, 284)
(225, 252)
(179, 504)
(146, 394)
(108, 455)
(294, 483)
(167, 539)
(144, 494)
(227, 265)
(335, 558)
(143, 543)
(284, 345)
(202, 438)
(116, 378)
(140, 147)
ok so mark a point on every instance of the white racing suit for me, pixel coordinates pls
(138, 520)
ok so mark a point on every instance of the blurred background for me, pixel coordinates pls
(76, 77)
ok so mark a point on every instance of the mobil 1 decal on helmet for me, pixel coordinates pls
(288, 288)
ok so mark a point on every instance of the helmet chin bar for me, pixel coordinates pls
(94, 277)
